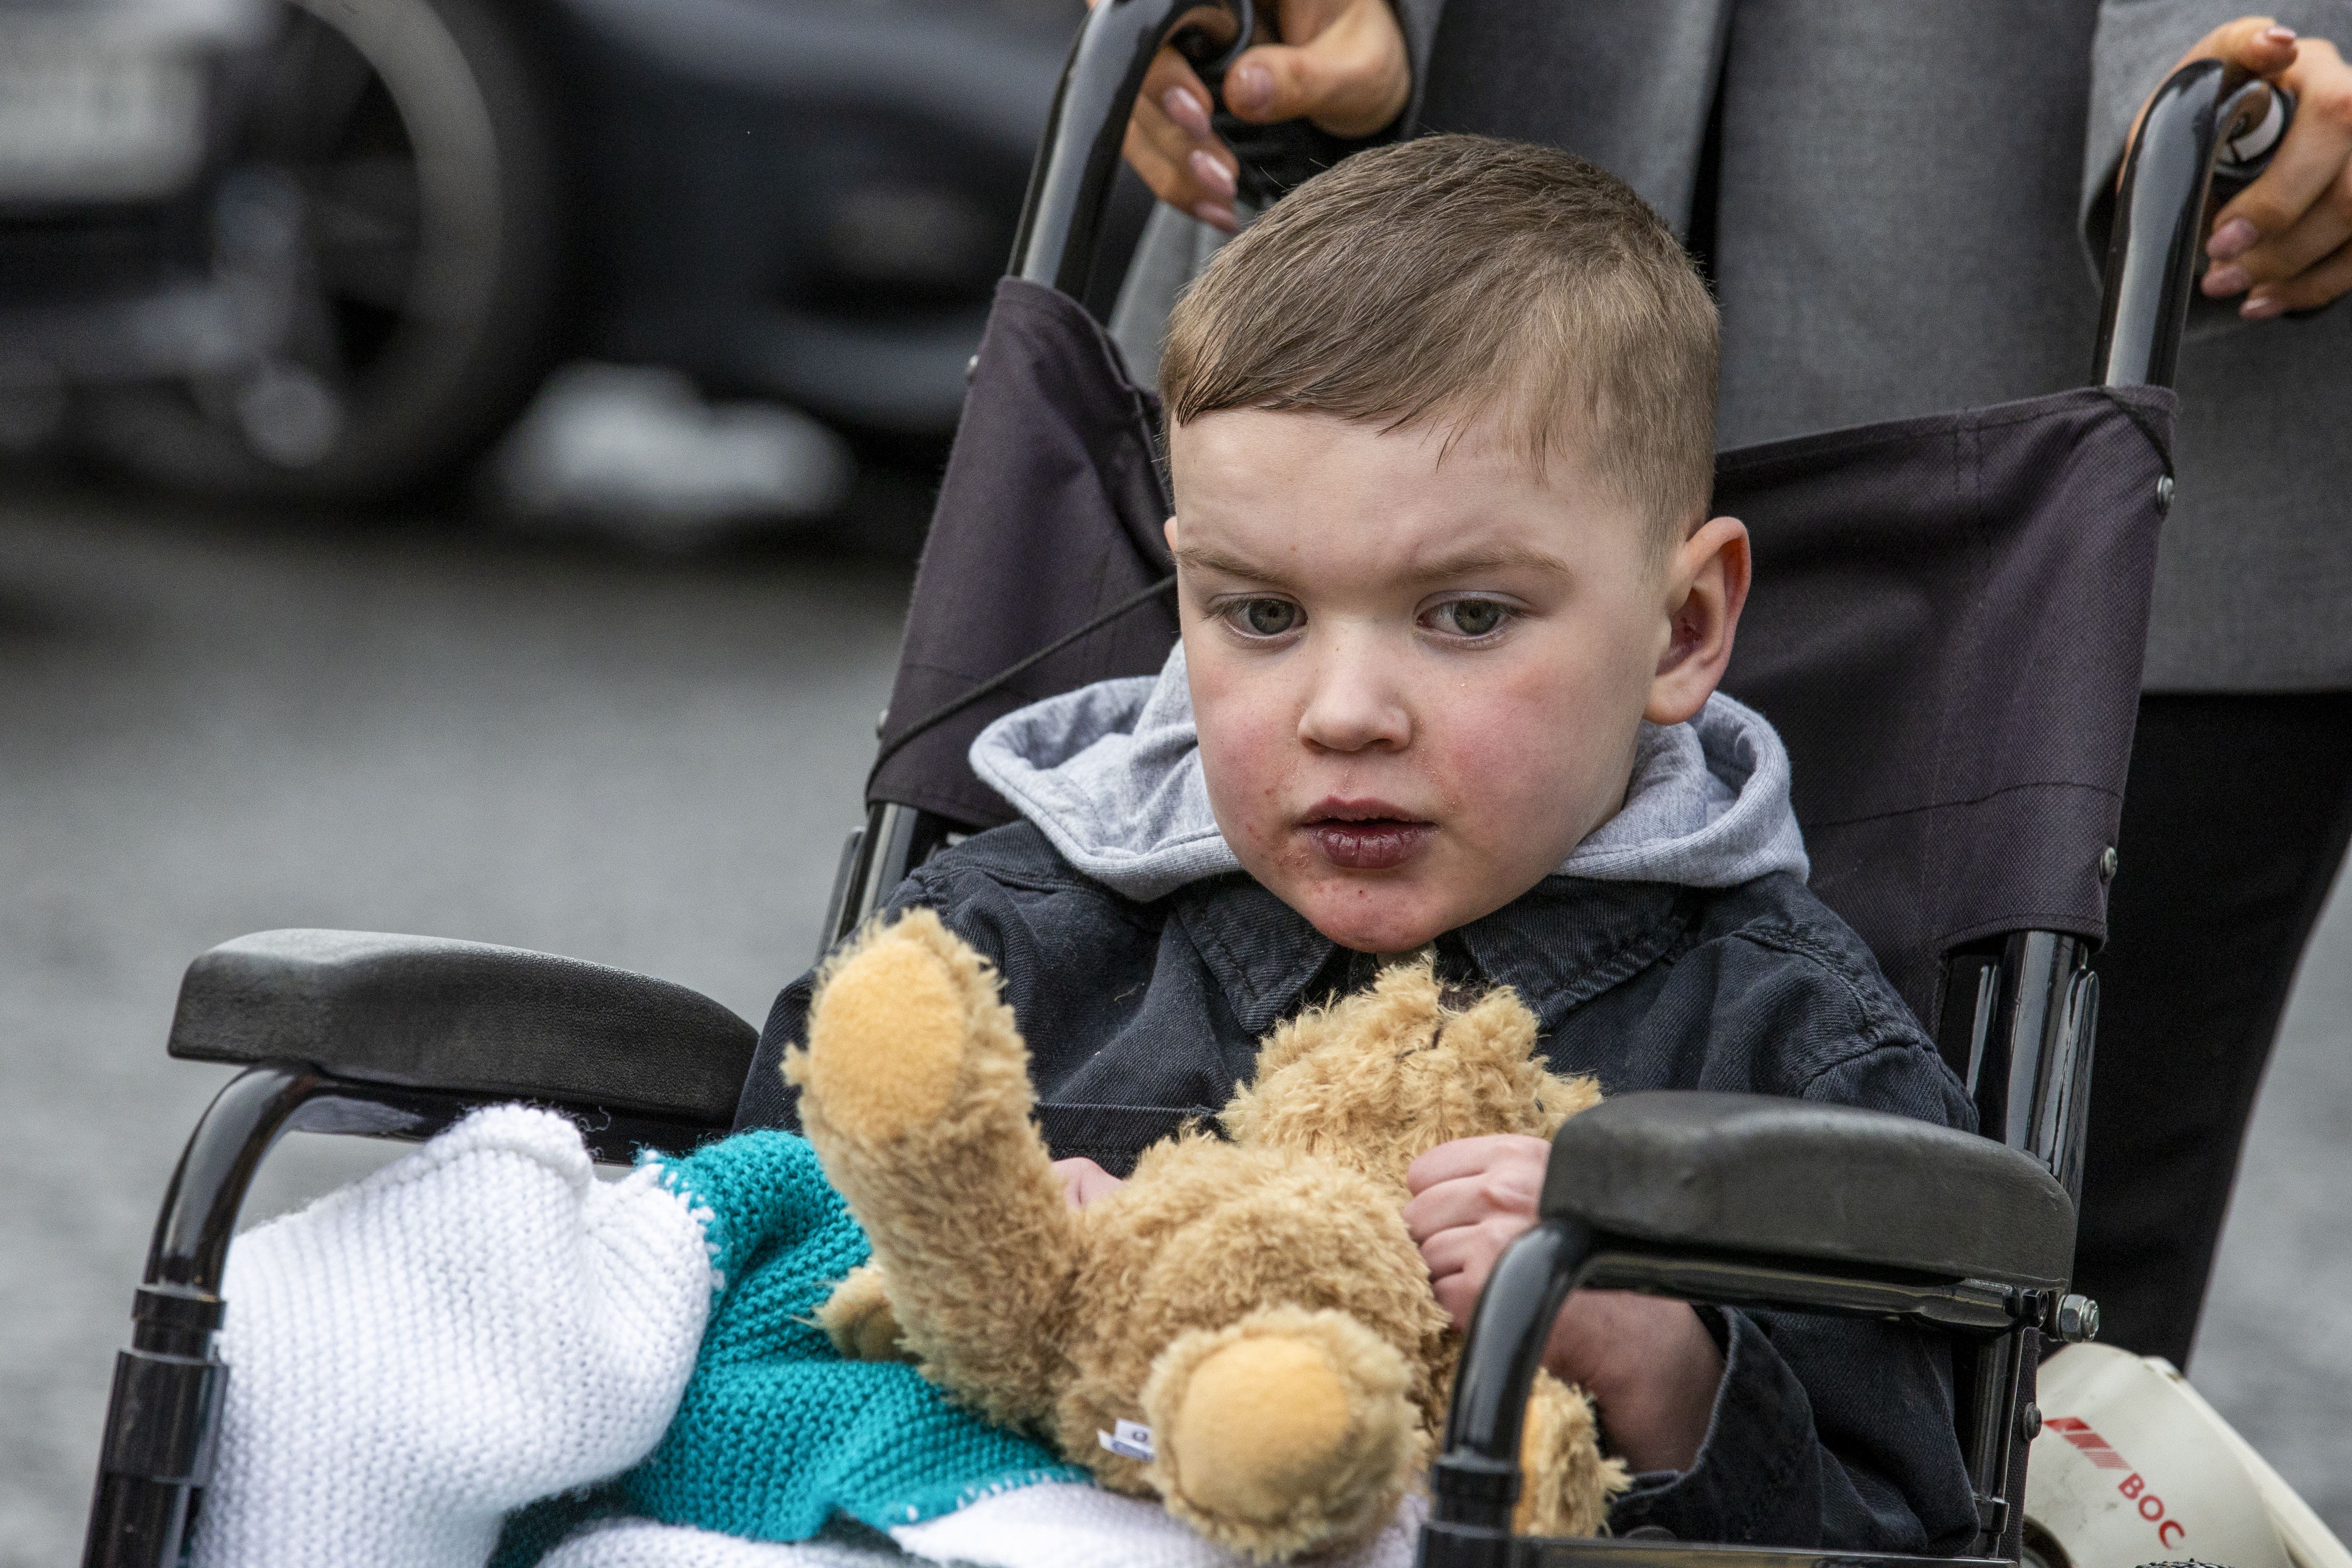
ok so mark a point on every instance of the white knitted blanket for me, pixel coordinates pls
(483, 1322)
(1052, 1525)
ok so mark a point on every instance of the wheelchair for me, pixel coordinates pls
(1946, 629)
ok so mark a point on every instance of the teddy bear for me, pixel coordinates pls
(1244, 1330)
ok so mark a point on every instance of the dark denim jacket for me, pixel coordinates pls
(1826, 1432)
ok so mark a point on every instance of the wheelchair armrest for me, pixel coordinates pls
(1819, 1186)
(465, 1017)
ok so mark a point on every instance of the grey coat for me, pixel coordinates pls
(1907, 224)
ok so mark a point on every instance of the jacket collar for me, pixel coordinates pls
(1564, 941)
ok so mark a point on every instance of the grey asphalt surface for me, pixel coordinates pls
(212, 725)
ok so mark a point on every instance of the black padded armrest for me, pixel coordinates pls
(426, 1012)
(1822, 1184)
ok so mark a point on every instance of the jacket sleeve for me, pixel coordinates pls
(2132, 52)
(1829, 1433)
(1833, 1433)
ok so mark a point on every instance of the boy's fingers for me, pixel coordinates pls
(1348, 75)
(1465, 1156)
(1505, 1191)
(1459, 1296)
(1462, 1201)
(1472, 1249)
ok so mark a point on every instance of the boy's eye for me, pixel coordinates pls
(1471, 618)
(1265, 617)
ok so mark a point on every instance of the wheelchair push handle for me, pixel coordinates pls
(2207, 114)
(1070, 184)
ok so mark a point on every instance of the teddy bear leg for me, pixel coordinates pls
(1565, 1484)
(857, 1317)
(915, 1090)
(1286, 1431)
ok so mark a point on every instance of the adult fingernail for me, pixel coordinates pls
(2234, 237)
(2262, 307)
(1250, 87)
(1216, 216)
(2230, 279)
(2280, 34)
(1186, 109)
(1213, 175)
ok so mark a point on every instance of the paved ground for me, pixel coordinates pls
(210, 726)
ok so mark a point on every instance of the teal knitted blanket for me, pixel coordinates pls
(776, 1431)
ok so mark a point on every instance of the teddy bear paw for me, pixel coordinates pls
(1568, 1485)
(857, 1317)
(893, 1023)
(1286, 1431)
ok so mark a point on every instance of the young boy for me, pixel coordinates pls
(1441, 433)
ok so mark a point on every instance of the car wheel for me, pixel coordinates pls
(391, 219)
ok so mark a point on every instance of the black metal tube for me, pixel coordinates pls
(1476, 1477)
(200, 1208)
(2035, 966)
(2160, 218)
(1061, 221)
(162, 1416)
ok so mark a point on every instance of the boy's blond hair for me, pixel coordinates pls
(1445, 276)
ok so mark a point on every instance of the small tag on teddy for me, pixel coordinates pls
(1131, 1441)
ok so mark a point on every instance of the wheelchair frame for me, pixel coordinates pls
(2017, 1014)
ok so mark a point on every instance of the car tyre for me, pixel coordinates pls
(392, 212)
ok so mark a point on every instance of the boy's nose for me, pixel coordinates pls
(1354, 702)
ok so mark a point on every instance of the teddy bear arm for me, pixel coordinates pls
(914, 1091)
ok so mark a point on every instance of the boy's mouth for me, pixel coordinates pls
(1364, 835)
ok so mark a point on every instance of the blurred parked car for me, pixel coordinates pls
(326, 248)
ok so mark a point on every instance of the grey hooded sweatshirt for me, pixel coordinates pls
(1110, 773)
(1676, 948)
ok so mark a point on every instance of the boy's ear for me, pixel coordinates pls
(1707, 582)
(1168, 532)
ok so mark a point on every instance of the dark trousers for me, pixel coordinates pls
(2235, 819)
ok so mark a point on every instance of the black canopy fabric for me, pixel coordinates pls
(1947, 629)
(1050, 515)
(1947, 626)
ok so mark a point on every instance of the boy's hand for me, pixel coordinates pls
(1650, 1364)
(2286, 241)
(1341, 64)
(1083, 1181)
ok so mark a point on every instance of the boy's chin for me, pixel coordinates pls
(1374, 919)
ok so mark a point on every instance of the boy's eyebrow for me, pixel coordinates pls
(1462, 563)
(1208, 558)
(1494, 558)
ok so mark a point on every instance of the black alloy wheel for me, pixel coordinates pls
(392, 219)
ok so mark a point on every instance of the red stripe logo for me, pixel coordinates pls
(2096, 1448)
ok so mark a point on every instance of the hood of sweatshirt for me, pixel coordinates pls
(1111, 774)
